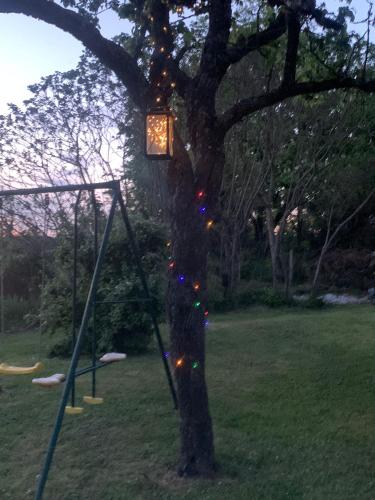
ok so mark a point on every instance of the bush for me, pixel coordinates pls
(255, 268)
(255, 294)
(18, 313)
(119, 326)
(311, 303)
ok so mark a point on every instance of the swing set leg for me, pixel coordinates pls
(142, 276)
(76, 353)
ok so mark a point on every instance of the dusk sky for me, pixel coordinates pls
(30, 49)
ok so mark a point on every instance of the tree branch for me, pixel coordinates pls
(160, 29)
(214, 62)
(290, 64)
(257, 40)
(307, 8)
(249, 105)
(108, 52)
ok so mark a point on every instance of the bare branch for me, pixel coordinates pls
(249, 105)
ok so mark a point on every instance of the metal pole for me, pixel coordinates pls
(93, 339)
(89, 369)
(59, 189)
(74, 286)
(2, 322)
(76, 353)
(142, 276)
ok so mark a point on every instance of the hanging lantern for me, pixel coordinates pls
(159, 134)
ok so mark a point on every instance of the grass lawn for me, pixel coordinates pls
(292, 396)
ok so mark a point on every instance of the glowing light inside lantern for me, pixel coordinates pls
(159, 135)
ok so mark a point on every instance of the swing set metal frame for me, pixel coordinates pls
(73, 372)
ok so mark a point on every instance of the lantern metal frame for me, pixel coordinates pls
(170, 136)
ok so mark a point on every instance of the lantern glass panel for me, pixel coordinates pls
(170, 138)
(157, 135)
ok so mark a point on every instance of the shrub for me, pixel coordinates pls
(311, 303)
(119, 326)
(18, 313)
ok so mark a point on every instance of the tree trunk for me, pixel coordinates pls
(187, 306)
(187, 329)
(230, 258)
(273, 241)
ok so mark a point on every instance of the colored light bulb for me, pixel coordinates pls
(181, 278)
(179, 362)
(195, 364)
(172, 264)
(197, 304)
(206, 313)
(200, 195)
(203, 210)
(209, 224)
(196, 286)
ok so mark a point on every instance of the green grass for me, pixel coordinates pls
(292, 396)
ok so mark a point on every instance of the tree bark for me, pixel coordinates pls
(186, 308)
(187, 303)
(274, 244)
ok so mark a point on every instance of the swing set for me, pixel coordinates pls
(78, 334)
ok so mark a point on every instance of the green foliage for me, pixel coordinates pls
(312, 303)
(18, 313)
(256, 268)
(124, 327)
(263, 296)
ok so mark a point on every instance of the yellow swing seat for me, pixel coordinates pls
(6, 369)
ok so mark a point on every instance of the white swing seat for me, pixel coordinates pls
(55, 379)
(6, 369)
(111, 357)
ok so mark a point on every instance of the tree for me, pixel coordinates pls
(148, 64)
(349, 183)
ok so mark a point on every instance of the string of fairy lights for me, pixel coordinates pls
(164, 86)
(195, 284)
